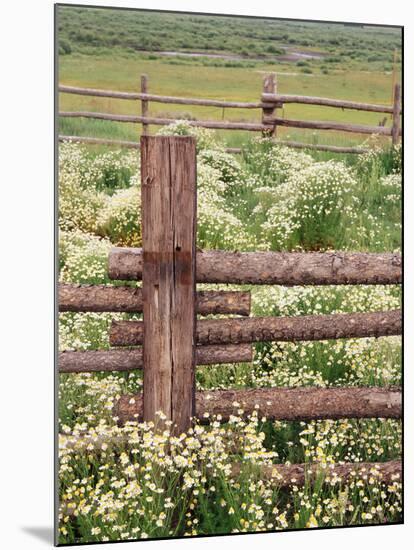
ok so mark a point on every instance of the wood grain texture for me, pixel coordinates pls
(285, 475)
(284, 403)
(395, 132)
(227, 125)
(162, 98)
(234, 150)
(144, 103)
(283, 268)
(213, 124)
(131, 359)
(330, 125)
(100, 298)
(168, 234)
(324, 101)
(269, 86)
(276, 329)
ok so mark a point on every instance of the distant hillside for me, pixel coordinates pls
(96, 30)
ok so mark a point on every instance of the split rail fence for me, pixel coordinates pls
(171, 341)
(269, 103)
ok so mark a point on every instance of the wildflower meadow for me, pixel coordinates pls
(133, 482)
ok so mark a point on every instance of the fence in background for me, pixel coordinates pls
(268, 105)
(171, 341)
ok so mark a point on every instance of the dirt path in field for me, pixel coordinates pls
(290, 55)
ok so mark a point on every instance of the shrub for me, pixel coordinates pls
(120, 218)
(273, 49)
(313, 208)
(272, 163)
(206, 139)
(217, 226)
(64, 47)
(225, 163)
(78, 209)
(83, 258)
(86, 181)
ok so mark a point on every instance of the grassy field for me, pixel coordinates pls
(83, 30)
(97, 64)
(118, 483)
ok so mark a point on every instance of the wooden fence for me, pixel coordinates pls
(171, 341)
(268, 105)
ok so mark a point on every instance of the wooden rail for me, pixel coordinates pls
(284, 268)
(234, 150)
(283, 403)
(270, 101)
(164, 98)
(227, 125)
(131, 359)
(327, 102)
(285, 475)
(75, 297)
(275, 329)
(212, 124)
(328, 125)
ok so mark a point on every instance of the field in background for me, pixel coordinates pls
(345, 68)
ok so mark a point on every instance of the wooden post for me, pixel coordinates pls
(144, 103)
(168, 277)
(396, 115)
(269, 87)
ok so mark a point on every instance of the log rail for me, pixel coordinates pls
(105, 298)
(131, 359)
(275, 329)
(234, 150)
(305, 403)
(283, 268)
(269, 102)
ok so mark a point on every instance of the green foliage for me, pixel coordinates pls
(206, 139)
(120, 218)
(128, 30)
(64, 47)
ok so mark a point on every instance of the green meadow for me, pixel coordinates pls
(92, 60)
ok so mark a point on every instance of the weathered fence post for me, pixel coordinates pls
(395, 132)
(144, 103)
(269, 87)
(168, 277)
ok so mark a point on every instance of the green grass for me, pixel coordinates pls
(239, 84)
(85, 30)
(106, 52)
